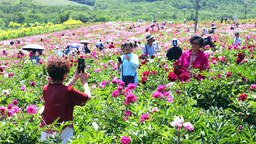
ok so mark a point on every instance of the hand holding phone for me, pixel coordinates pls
(81, 65)
(119, 59)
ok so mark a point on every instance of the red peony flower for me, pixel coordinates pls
(172, 77)
(242, 97)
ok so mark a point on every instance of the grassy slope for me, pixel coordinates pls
(60, 2)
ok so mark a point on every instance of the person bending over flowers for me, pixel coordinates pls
(195, 58)
(60, 99)
(129, 65)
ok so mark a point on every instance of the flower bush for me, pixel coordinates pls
(166, 106)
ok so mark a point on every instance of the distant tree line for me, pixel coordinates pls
(27, 11)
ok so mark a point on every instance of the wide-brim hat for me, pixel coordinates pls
(148, 37)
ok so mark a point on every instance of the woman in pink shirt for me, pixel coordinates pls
(195, 58)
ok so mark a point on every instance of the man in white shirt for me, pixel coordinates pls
(57, 51)
(237, 39)
(156, 46)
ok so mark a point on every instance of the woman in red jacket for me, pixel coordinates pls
(61, 99)
(195, 58)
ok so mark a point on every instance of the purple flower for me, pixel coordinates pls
(125, 140)
(31, 109)
(23, 88)
(188, 125)
(115, 93)
(32, 83)
(128, 113)
(15, 102)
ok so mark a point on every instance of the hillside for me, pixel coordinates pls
(57, 11)
(173, 9)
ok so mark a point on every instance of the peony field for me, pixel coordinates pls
(163, 109)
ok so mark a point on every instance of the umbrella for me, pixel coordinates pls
(98, 44)
(35, 47)
(74, 45)
(84, 42)
(110, 41)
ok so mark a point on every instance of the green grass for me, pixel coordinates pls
(60, 2)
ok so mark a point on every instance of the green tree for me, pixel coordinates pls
(65, 16)
(20, 17)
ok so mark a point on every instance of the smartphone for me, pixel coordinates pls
(119, 59)
(81, 65)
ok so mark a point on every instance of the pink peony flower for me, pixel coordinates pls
(32, 83)
(115, 80)
(10, 112)
(154, 72)
(97, 70)
(188, 125)
(253, 86)
(170, 99)
(156, 94)
(125, 140)
(172, 77)
(177, 121)
(155, 109)
(16, 109)
(130, 98)
(128, 113)
(94, 86)
(119, 88)
(131, 86)
(101, 86)
(144, 117)
(115, 93)
(9, 106)
(120, 82)
(166, 94)
(178, 92)
(15, 102)
(2, 109)
(126, 118)
(31, 109)
(5, 92)
(161, 88)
